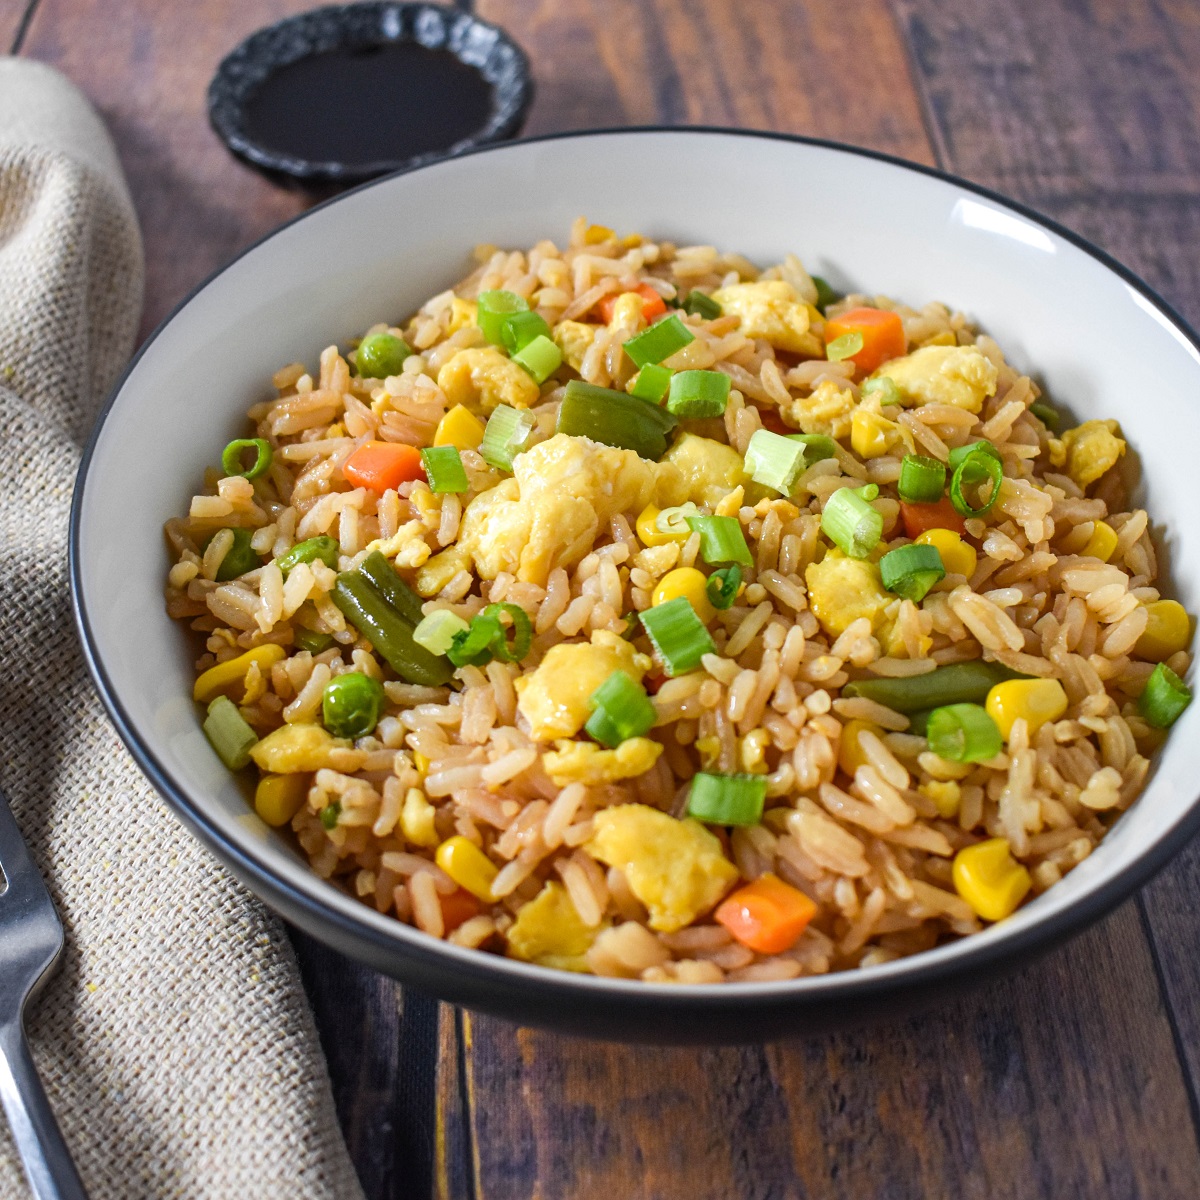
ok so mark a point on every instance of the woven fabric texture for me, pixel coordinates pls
(176, 1043)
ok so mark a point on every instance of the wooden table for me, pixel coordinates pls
(1076, 1078)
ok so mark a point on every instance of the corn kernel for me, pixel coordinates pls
(709, 749)
(1102, 543)
(336, 430)
(1168, 630)
(692, 585)
(594, 235)
(870, 434)
(468, 866)
(989, 879)
(1037, 700)
(278, 798)
(229, 678)
(459, 427)
(946, 796)
(753, 751)
(421, 762)
(958, 557)
(851, 755)
(649, 533)
(416, 819)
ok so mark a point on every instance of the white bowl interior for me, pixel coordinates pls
(1101, 348)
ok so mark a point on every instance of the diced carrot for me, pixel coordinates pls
(921, 517)
(767, 915)
(653, 682)
(653, 304)
(774, 422)
(459, 906)
(383, 465)
(882, 334)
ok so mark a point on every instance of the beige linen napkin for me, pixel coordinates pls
(176, 1043)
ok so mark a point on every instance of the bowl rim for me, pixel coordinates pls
(228, 91)
(981, 952)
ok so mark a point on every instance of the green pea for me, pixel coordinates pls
(239, 558)
(311, 640)
(351, 704)
(324, 547)
(381, 355)
(330, 814)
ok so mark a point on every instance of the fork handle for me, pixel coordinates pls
(35, 1132)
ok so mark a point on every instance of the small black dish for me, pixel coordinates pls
(339, 95)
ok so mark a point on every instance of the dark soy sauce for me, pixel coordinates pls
(369, 104)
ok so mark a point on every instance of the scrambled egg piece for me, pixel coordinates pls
(484, 378)
(549, 931)
(574, 339)
(771, 310)
(872, 435)
(710, 469)
(462, 314)
(563, 492)
(554, 698)
(292, 749)
(675, 868)
(842, 589)
(1088, 450)
(440, 569)
(828, 410)
(958, 375)
(583, 762)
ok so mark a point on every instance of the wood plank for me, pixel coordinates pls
(147, 72)
(767, 65)
(1059, 1082)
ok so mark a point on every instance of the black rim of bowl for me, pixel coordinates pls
(389, 937)
(478, 44)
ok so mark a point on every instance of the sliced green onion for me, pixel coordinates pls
(973, 468)
(846, 346)
(674, 521)
(444, 469)
(816, 446)
(506, 435)
(310, 639)
(621, 710)
(232, 462)
(651, 383)
(1163, 698)
(727, 799)
(825, 294)
(329, 815)
(231, 737)
(239, 558)
(659, 341)
(910, 571)
(352, 704)
(323, 547)
(721, 540)
(541, 358)
(775, 461)
(380, 355)
(958, 683)
(678, 634)
(884, 387)
(695, 394)
(614, 419)
(381, 575)
(963, 733)
(1048, 415)
(960, 453)
(436, 631)
(722, 586)
(494, 310)
(522, 632)
(922, 479)
(698, 304)
(851, 523)
(474, 646)
(521, 328)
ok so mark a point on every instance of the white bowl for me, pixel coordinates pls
(1096, 337)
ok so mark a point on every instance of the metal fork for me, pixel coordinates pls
(31, 939)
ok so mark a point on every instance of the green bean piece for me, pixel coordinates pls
(381, 355)
(229, 734)
(381, 575)
(311, 640)
(233, 463)
(324, 548)
(239, 558)
(352, 704)
(388, 632)
(959, 683)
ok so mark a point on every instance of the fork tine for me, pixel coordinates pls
(24, 879)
